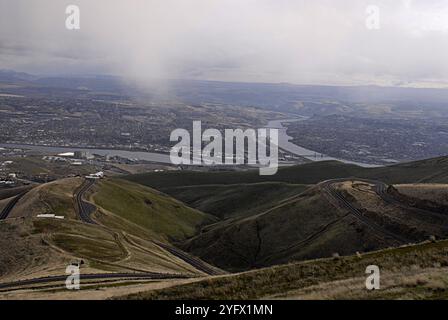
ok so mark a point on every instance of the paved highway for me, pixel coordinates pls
(195, 262)
(98, 276)
(7, 210)
(85, 209)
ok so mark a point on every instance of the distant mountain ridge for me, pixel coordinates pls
(11, 75)
(272, 96)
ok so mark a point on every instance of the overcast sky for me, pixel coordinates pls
(298, 41)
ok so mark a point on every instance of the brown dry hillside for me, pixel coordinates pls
(314, 225)
(432, 193)
(410, 272)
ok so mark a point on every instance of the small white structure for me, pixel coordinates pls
(67, 154)
(49, 215)
(45, 215)
(98, 175)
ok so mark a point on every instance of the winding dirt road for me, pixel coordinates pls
(85, 209)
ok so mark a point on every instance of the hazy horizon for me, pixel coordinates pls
(297, 42)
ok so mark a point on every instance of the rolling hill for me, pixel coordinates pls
(314, 224)
(120, 240)
(409, 272)
(196, 224)
(430, 170)
(269, 220)
(226, 201)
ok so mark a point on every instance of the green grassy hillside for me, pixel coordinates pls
(130, 218)
(303, 174)
(158, 213)
(313, 224)
(259, 227)
(225, 201)
(431, 170)
(304, 227)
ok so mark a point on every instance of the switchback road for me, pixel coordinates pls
(85, 210)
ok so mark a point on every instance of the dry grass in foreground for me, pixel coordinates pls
(417, 272)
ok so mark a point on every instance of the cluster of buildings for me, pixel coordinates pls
(76, 158)
(9, 179)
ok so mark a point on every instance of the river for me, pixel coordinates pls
(284, 143)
